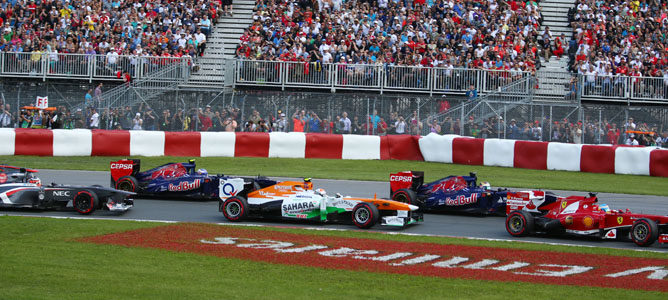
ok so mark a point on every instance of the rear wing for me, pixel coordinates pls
(123, 167)
(406, 180)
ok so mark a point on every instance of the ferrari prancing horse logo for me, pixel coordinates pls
(620, 220)
(563, 204)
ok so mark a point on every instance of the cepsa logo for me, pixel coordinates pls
(121, 166)
(184, 186)
(401, 178)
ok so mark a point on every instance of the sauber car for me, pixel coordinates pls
(540, 212)
(172, 180)
(298, 200)
(449, 194)
(20, 188)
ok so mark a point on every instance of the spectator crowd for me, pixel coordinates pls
(489, 34)
(108, 27)
(613, 38)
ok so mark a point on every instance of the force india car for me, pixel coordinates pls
(540, 212)
(20, 188)
(449, 194)
(172, 180)
(297, 200)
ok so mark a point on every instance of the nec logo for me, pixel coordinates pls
(61, 193)
(121, 166)
(401, 178)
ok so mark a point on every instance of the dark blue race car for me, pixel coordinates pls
(449, 194)
(175, 180)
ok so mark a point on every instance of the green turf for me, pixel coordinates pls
(375, 170)
(40, 259)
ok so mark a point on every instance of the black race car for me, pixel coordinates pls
(20, 188)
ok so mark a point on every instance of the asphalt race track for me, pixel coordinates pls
(435, 224)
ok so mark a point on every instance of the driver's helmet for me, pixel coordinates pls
(35, 181)
(202, 172)
(485, 186)
(321, 192)
(604, 207)
(308, 185)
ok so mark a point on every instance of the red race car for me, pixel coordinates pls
(540, 212)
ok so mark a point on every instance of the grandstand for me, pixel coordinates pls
(517, 57)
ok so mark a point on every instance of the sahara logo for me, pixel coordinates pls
(298, 207)
(184, 186)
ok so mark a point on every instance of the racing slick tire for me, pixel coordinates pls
(127, 183)
(519, 223)
(644, 232)
(406, 196)
(365, 215)
(84, 202)
(235, 208)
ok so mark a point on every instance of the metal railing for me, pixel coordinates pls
(380, 78)
(53, 65)
(624, 88)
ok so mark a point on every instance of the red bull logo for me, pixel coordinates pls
(450, 185)
(170, 171)
(461, 200)
(184, 186)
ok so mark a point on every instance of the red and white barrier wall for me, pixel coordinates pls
(544, 155)
(433, 147)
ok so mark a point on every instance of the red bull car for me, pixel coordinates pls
(448, 194)
(172, 180)
(539, 212)
(20, 188)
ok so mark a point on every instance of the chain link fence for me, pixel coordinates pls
(356, 113)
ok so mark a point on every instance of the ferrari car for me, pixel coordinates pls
(172, 180)
(22, 189)
(298, 200)
(449, 194)
(539, 212)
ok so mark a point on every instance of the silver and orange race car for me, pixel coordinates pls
(240, 199)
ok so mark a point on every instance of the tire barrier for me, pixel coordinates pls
(432, 148)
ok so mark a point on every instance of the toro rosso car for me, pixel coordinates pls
(239, 200)
(449, 194)
(172, 180)
(540, 212)
(20, 188)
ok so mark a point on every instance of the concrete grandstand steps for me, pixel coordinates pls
(221, 44)
(555, 15)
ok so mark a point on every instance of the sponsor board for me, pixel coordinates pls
(425, 259)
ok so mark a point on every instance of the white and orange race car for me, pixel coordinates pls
(240, 198)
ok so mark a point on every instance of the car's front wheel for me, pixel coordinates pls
(644, 232)
(365, 215)
(84, 202)
(235, 208)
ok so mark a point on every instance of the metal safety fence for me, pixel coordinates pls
(91, 67)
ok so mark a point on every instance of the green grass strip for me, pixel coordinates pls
(40, 259)
(375, 170)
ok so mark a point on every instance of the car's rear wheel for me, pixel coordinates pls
(406, 196)
(365, 215)
(235, 208)
(84, 202)
(519, 223)
(127, 183)
(644, 232)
